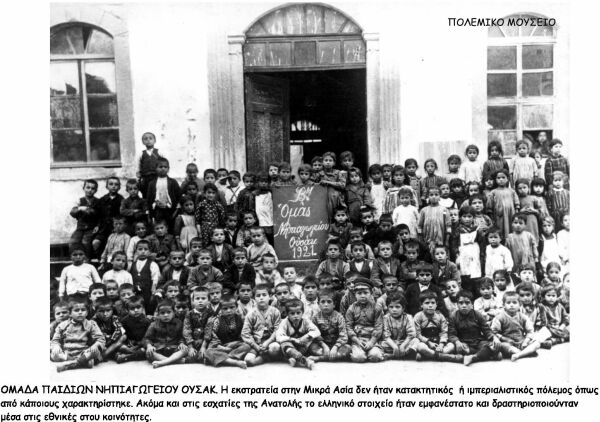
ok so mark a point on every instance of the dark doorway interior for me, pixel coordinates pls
(327, 112)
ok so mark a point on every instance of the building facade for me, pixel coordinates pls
(239, 85)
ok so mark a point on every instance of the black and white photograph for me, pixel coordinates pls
(344, 197)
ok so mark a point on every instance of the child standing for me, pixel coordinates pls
(495, 161)
(259, 247)
(430, 180)
(209, 214)
(522, 166)
(559, 198)
(86, 213)
(468, 257)
(260, 327)
(553, 315)
(392, 195)
(118, 241)
(164, 338)
(529, 206)
(514, 330)
(163, 194)
(339, 229)
(76, 341)
(161, 243)
(497, 256)
(245, 199)
(317, 168)
(377, 188)
(357, 195)
(503, 203)
(232, 190)
(443, 269)
(405, 212)
(263, 200)
(295, 335)
(248, 222)
(399, 335)
(538, 189)
(240, 271)
(133, 208)
(555, 162)
(387, 170)
(454, 163)
(445, 199)
(471, 169)
(145, 274)
(412, 179)
(148, 161)
(521, 243)
(470, 332)
(141, 230)
(563, 239)
(334, 181)
(284, 175)
(185, 224)
(118, 272)
(222, 253)
(77, 277)
(191, 176)
(225, 345)
(434, 221)
(334, 264)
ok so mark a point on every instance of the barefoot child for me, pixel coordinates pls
(194, 325)
(114, 333)
(431, 329)
(399, 340)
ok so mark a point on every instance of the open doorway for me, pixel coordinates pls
(293, 116)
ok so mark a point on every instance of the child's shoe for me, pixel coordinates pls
(546, 345)
(292, 362)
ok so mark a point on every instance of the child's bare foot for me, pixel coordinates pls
(514, 357)
(418, 357)
(241, 364)
(310, 364)
(292, 362)
(468, 359)
(67, 366)
(157, 364)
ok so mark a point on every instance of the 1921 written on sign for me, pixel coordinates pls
(301, 222)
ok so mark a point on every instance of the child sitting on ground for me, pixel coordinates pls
(399, 340)
(514, 330)
(295, 335)
(194, 325)
(431, 329)
(553, 316)
(164, 338)
(135, 324)
(364, 323)
(260, 326)
(470, 332)
(76, 341)
(488, 305)
(114, 333)
(332, 345)
(225, 345)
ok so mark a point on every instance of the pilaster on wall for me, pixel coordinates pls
(373, 98)
(237, 143)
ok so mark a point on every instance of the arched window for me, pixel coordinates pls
(520, 82)
(304, 36)
(84, 123)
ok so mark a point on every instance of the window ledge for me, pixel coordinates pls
(86, 165)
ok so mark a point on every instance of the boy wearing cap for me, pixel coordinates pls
(414, 290)
(364, 324)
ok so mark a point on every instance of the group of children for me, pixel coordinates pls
(466, 266)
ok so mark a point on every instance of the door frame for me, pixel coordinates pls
(237, 142)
